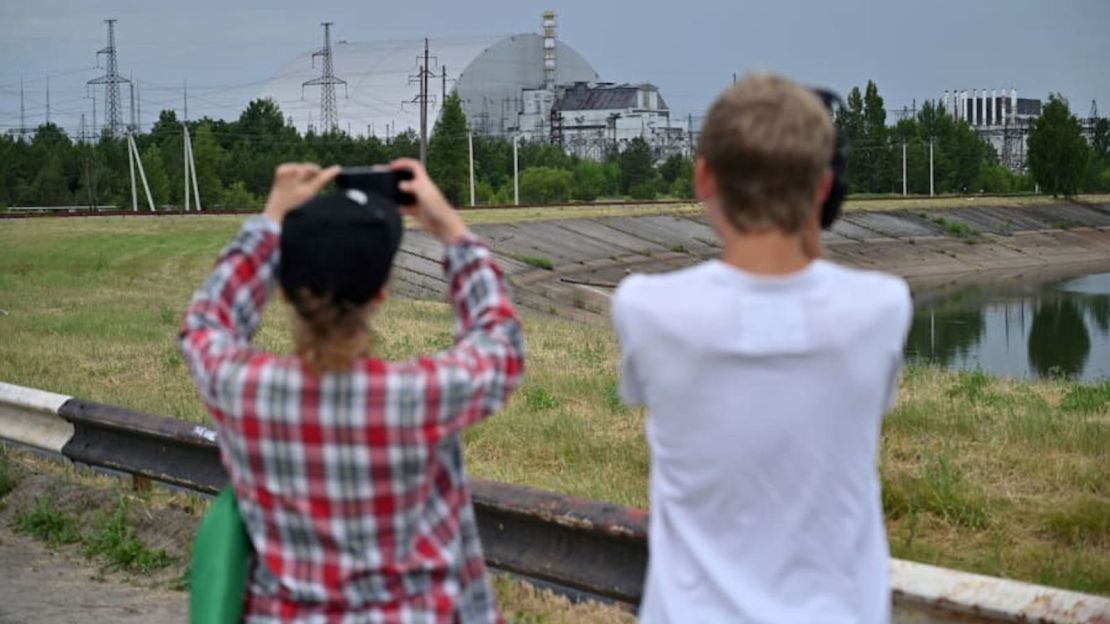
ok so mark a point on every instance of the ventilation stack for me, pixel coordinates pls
(549, 50)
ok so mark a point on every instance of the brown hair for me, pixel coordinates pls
(328, 336)
(768, 141)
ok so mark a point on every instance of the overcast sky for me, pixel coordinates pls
(227, 48)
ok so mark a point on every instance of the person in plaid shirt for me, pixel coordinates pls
(348, 469)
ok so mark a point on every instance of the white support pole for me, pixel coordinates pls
(516, 172)
(193, 169)
(903, 168)
(142, 172)
(131, 166)
(185, 161)
(931, 168)
(470, 149)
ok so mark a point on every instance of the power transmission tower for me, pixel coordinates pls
(329, 113)
(111, 81)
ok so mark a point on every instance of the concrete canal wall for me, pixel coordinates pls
(587, 257)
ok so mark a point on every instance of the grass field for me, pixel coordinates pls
(995, 476)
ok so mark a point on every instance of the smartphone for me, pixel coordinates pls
(378, 179)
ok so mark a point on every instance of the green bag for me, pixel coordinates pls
(221, 564)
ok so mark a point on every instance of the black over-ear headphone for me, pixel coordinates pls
(831, 208)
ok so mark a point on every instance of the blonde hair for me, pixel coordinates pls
(768, 141)
(327, 336)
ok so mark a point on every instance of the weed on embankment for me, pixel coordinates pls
(109, 538)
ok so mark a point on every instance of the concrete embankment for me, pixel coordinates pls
(568, 267)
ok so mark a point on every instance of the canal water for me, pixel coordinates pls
(1060, 328)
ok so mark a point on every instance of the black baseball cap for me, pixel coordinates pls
(340, 246)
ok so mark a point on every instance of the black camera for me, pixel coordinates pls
(378, 179)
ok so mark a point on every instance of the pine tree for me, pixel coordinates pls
(448, 162)
(876, 152)
(1057, 152)
(155, 170)
(208, 157)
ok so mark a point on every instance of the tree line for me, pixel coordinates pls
(235, 159)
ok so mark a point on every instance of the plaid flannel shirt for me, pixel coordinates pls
(351, 485)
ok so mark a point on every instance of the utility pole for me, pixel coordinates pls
(931, 167)
(190, 168)
(424, 107)
(903, 168)
(131, 94)
(516, 171)
(48, 98)
(443, 74)
(470, 148)
(94, 117)
(690, 131)
(422, 98)
(185, 160)
(329, 112)
(22, 114)
(83, 137)
(111, 81)
(133, 160)
(185, 96)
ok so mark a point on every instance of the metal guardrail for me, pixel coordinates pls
(587, 545)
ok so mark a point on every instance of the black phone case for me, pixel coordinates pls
(380, 180)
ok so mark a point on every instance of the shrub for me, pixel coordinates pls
(237, 196)
(642, 190)
(589, 181)
(544, 185)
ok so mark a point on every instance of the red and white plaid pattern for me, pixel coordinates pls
(351, 485)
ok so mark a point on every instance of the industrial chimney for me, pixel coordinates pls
(549, 50)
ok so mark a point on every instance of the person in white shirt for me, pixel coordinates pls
(766, 374)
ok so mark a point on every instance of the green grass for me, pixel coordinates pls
(7, 478)
(983, 474)
(958, 229)
(114, 541)
(540, 262)
(48, 524)
(109, 537)
(1085, 521)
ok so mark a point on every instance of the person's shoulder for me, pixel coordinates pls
(866, 287)
(656, 293)
(654, 287)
